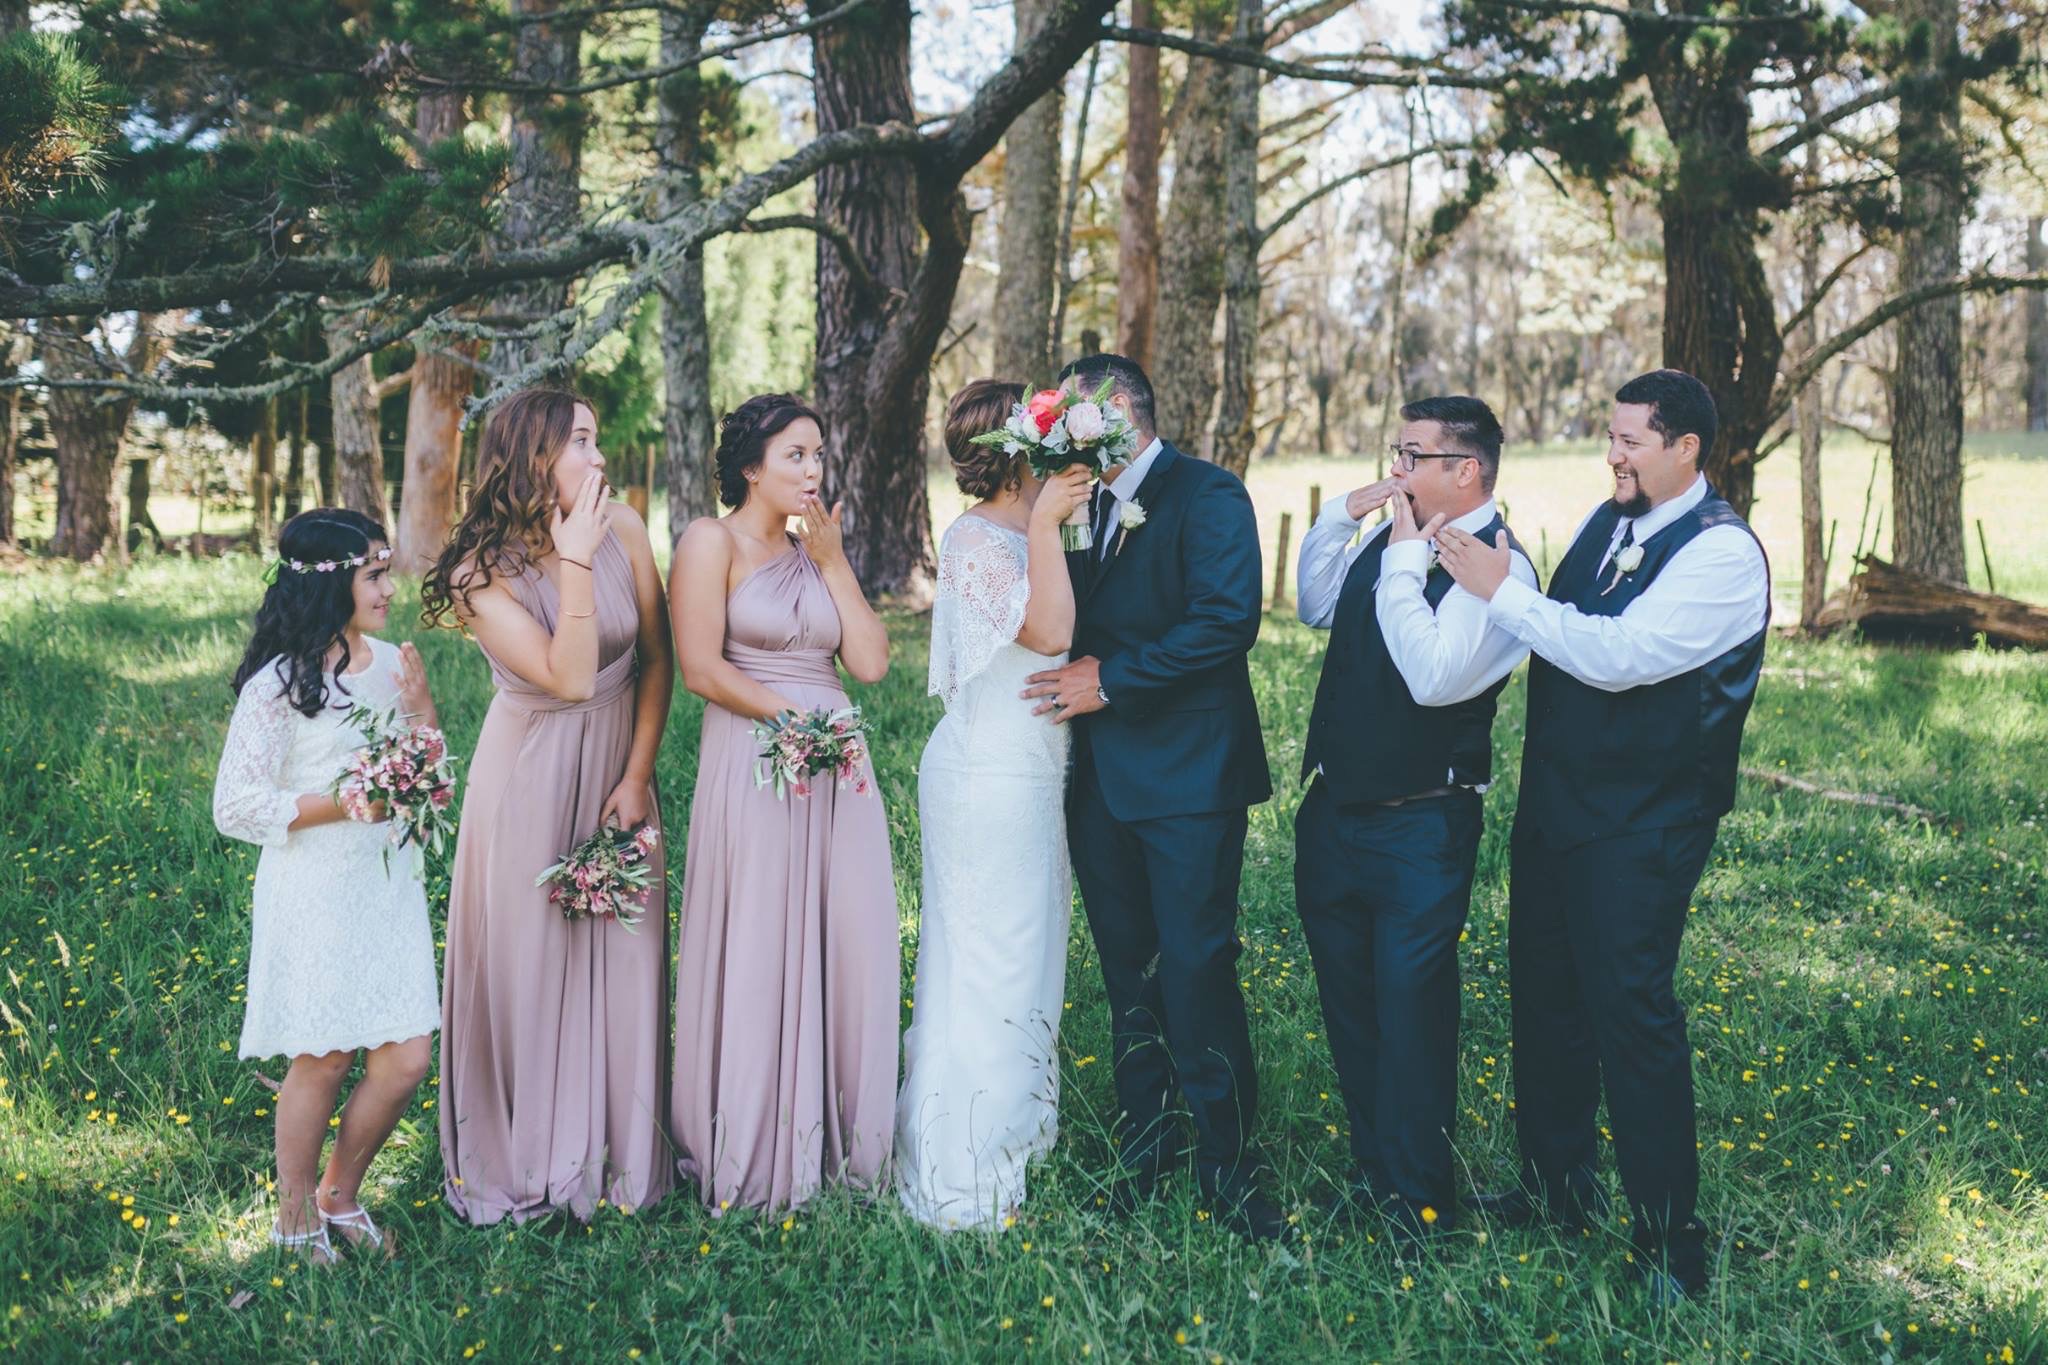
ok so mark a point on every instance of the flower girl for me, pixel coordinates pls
(341, 957)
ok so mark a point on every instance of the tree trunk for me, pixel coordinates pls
(358, 453)
(10, 438)
(1813, 569)
(1720, 319)
(2037, 327)
(543, 198)
(295, 456)
(1137, 300)
(1927, 384)
(1027, 241)
(443, 376)
(263, 477)
(1191, 249)
(874, 424)
(687, 424)
(139, 519)
(323, 464)
(1236, 418)
(87, 434)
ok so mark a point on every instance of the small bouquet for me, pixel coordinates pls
(606, 875)
(409, 770)
(1054, 430)
(797, 747)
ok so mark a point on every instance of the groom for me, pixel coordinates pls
(1167, 757)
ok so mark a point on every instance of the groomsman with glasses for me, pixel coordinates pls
(1400, 747)
(1647, 651)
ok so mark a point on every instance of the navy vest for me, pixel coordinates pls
(1375, 742)
(1598, 763)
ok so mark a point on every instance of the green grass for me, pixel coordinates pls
(1866, 996)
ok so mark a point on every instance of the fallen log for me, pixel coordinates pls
(1800, 784)
(1885, 602)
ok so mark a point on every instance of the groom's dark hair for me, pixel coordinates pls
(1680, 405)
(1466, 423)
(1128, 375)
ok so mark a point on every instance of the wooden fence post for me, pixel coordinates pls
(1315, 502)
(1280, 560)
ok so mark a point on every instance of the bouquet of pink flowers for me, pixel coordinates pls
(406, 768)
(606, 875)
(1054, 431)
(797, 747)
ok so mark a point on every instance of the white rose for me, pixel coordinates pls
(1630, 559)
(1085, 422)
(1131, 515)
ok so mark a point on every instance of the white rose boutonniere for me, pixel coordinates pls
(1130, 516)
(1631, 559)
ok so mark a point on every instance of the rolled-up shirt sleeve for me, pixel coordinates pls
(1714, 594)
(1455, 652)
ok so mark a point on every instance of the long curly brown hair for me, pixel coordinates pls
(513, 503)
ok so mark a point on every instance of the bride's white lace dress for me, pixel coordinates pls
(980, 1093)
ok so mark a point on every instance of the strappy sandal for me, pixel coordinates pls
(357, 1229)
(314, 1244)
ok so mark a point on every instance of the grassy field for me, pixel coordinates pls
(1866, 995)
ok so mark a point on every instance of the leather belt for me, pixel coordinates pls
(1429, 795)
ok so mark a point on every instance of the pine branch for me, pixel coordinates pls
(1820, 291)
(1300, 205)
(1648, 18)
(1790, 383)
(864, 280)
(1814, 127)
(1417, 76)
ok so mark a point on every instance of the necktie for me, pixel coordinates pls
(1105, 518)
(1628, 538)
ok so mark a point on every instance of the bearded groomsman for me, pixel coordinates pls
(1647, 653)
(1400, 746)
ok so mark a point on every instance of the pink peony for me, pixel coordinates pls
(1085, 422)
(1044, 408)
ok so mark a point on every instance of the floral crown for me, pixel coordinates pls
(325, 565)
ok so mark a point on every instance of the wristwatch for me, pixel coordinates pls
(1101, 695)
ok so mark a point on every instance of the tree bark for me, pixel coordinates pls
(1137, 300)
(1813, 569)
(1236, 416)
(358, 453)
(1027, 240)
(443, 372)
(687, 421)
(10, 439)
(1720, 319)
(295, 456)
(1927, 386)
(87, 434)
(543, 199)
(1191, 249)
(2037, 327)
(861, 74)
(139, 519)
(263, 476)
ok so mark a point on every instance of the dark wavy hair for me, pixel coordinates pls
(744, 434)
(513, 503)
(1679, 404)
(305, 614)
(982, 406)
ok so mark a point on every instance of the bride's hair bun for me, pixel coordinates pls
(982, 406)
(744, 434)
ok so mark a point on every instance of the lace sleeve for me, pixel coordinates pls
(249, 799)
(983, 590)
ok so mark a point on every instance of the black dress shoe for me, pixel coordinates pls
(1517, 1207)
(1251, 1215)
(1511, 1207)
(1355, 1202)
(1131, 1191)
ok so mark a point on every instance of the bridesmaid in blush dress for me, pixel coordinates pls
(787, 977)
(554, 1039)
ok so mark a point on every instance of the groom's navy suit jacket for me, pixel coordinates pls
(1171, 612)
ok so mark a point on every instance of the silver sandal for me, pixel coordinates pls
(310, 1242)
(356, 1219)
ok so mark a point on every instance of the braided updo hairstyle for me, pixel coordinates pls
(743, 438)
(982, 406)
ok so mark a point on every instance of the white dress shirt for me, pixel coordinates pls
(1713, 594)
(1124, 490)
(1448, 655)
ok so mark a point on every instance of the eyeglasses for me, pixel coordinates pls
(1404, 458)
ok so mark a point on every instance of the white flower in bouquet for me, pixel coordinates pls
(1085, 422)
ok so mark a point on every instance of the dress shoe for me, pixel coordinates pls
(1582, 1206)
(1251, 1215)
(1354, 1202)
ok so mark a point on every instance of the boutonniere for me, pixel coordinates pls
(1130, 516)
(1625, 563)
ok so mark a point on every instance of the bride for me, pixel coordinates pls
(981, 1078)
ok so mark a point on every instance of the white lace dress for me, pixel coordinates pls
(341, 955)
(980, 1093)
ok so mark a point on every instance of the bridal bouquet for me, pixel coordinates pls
(606, 875)
(798, 747)
(408, 769)
(1054, 431)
